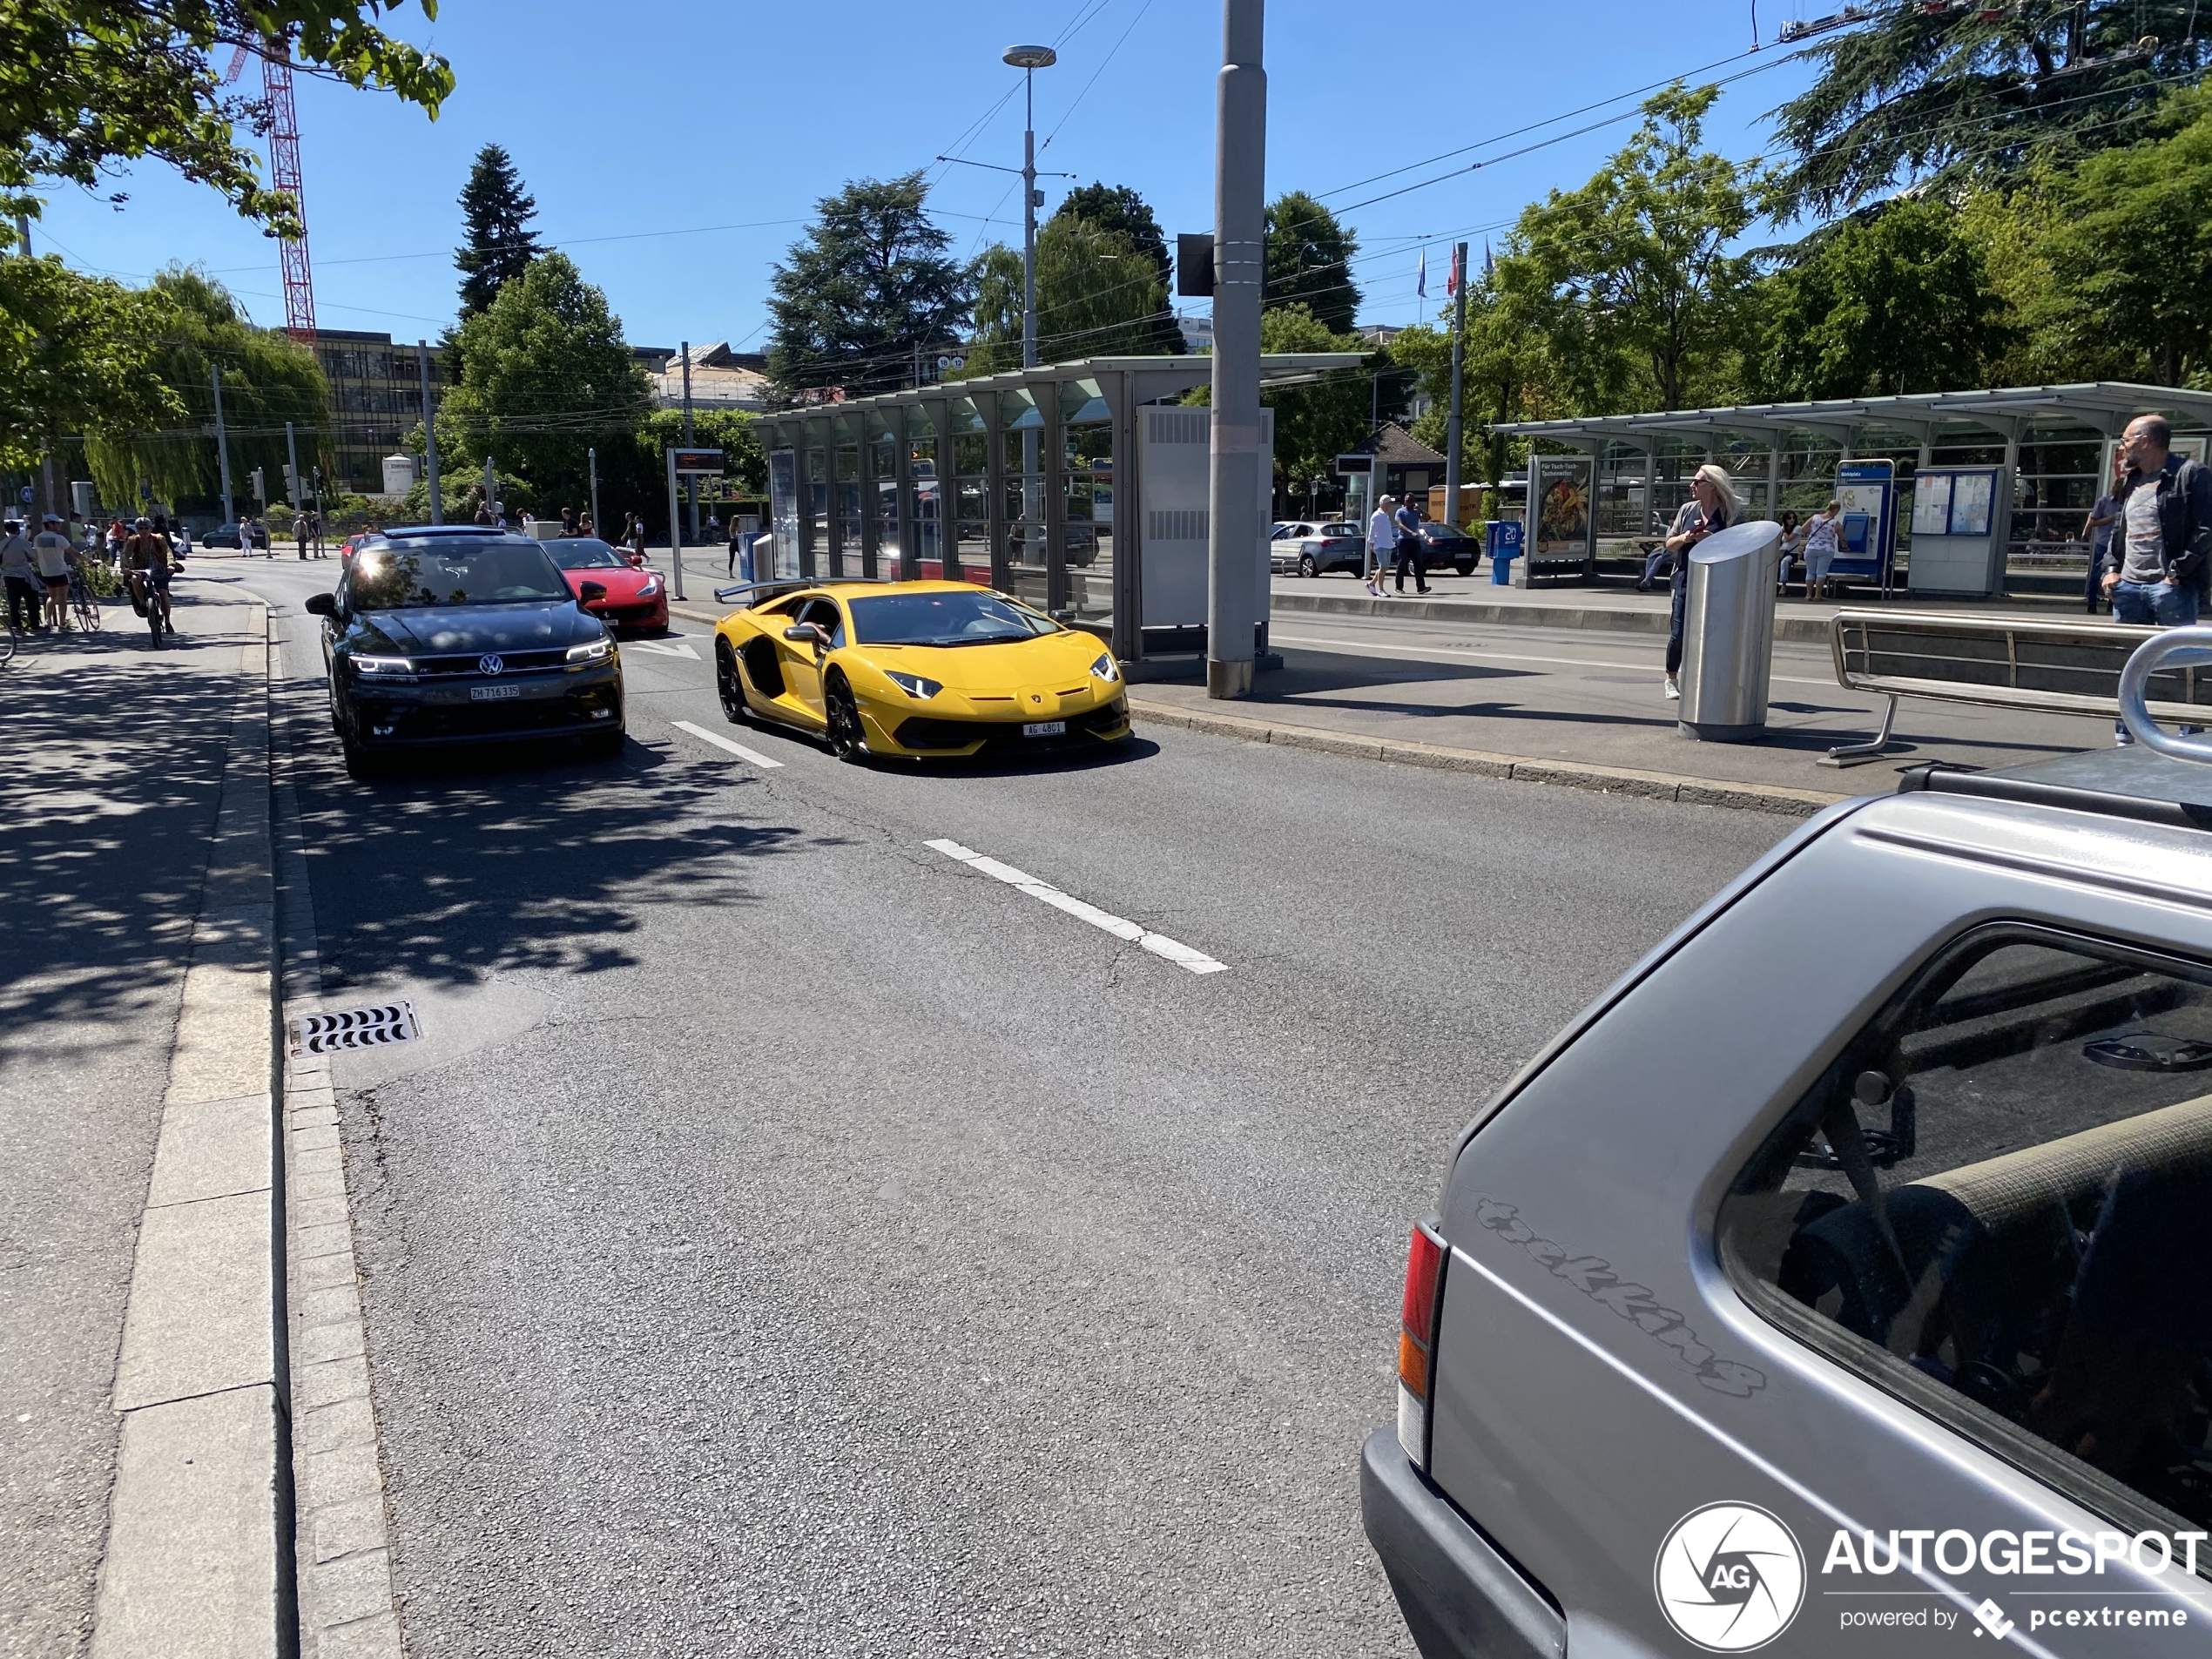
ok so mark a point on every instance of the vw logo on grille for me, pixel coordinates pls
(489, 666)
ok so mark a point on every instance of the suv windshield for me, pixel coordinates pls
(393, 578)
(953, 618)
(583, 553)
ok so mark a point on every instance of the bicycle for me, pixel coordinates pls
(146, 599)
(82, 605)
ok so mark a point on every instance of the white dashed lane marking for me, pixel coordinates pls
(663, 648)
(1159, 944)
(721, 742)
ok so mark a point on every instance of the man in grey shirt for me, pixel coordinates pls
(21, 572)
(2158, 565)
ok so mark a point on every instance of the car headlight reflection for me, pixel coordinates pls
(649, 587)
(383, 666)
(1106, 668)
(596, 651)
(913, 685)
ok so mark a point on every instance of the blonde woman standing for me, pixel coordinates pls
(1713, 505)
(1821, 546)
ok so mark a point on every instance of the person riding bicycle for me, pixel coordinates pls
(147, 558)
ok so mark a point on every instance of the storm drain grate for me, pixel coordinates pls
(355, 1028)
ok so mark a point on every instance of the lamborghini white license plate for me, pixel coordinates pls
(493, 693)
(1045, 729)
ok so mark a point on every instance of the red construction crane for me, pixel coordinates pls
(283, 173)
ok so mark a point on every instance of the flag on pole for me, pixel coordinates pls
(1420, 275)
(1452, 280)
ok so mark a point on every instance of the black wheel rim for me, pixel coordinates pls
(727, 686)
(843, 724)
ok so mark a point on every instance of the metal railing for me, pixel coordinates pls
(1998, 662)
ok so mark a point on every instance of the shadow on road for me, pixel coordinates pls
(466, 864)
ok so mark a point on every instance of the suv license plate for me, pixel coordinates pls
(1045, 729)
(493, 693)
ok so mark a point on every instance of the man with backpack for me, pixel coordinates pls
(2157, 568)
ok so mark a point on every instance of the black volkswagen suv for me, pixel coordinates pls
(443, 637)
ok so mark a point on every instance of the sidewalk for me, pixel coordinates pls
(136, 1365)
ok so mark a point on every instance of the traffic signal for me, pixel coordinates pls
(260, 493)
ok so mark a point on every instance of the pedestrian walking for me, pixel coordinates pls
(1713, 505)
(634, 537)
(1824, 540)
(50, 550)
(1412, 551)
(2158, 566)
(2097, 529)
(585, 527)
(737, 544)
(20, 572)
(1382, 544)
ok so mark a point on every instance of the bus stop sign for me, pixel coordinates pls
(698, 463)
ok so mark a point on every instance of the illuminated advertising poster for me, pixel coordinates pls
(1562, 548)
(783, 509)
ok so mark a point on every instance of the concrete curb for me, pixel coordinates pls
(1612, 780)
(1618, 619)
(194, 1564)
(341, 1537)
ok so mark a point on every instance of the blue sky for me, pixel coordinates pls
(676, 149)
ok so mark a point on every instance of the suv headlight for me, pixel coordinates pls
(1106, 668)
(383, 666)
(913, 685)
(596, 651)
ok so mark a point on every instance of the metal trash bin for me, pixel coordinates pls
(1728, 633)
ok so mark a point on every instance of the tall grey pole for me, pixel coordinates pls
(1030, 218)
(591, 460)
(429, 433)
(222, 449)
(1452, 428)
(675, 529)
(1236, 558)
(291, 462)
(691, 484)
(23, 234)
(491, 490)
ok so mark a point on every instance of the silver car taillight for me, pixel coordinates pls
(1425, 1260)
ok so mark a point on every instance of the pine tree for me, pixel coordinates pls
(501, 243)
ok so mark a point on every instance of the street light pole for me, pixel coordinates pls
(429, 433)
(1029, 60)
(691, 484)
(591, 460)
(1237, 562)
(1453, 428)
(222, 449)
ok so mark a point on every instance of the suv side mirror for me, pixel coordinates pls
(590, 593)
(323, 604)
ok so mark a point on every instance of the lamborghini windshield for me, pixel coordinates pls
(948, 619)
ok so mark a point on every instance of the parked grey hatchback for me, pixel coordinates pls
(1843, 1278)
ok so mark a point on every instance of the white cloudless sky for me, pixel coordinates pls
(676, 148)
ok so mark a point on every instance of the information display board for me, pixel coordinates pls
(1957, 516)
(1868, 492)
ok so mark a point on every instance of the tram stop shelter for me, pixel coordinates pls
(1973, 493)
(1079, 487)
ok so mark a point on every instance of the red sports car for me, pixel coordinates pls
(636, 597)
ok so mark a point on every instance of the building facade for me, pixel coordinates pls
(376, 402)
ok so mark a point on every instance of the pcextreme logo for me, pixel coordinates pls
(1730, 1577)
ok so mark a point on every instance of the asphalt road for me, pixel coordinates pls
(788, 1238)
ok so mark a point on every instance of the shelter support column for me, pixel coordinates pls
(987, 405)
(1054, 465)
(871, 508)
(903, 484)
(1128, 520)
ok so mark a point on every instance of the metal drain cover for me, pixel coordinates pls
(367, 1027)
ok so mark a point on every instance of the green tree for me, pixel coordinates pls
(545, 377)
(870, 282)
(2127, 251)
(995, 280)
(497, 212)
(1119, 209)
(85, 88)
(1309, 262)
(1976, 95)
(77, 359)
(1314, 424)
(1896, 300)
(1629, 280)
(268, 378)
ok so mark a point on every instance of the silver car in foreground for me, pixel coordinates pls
(1841, 1279)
